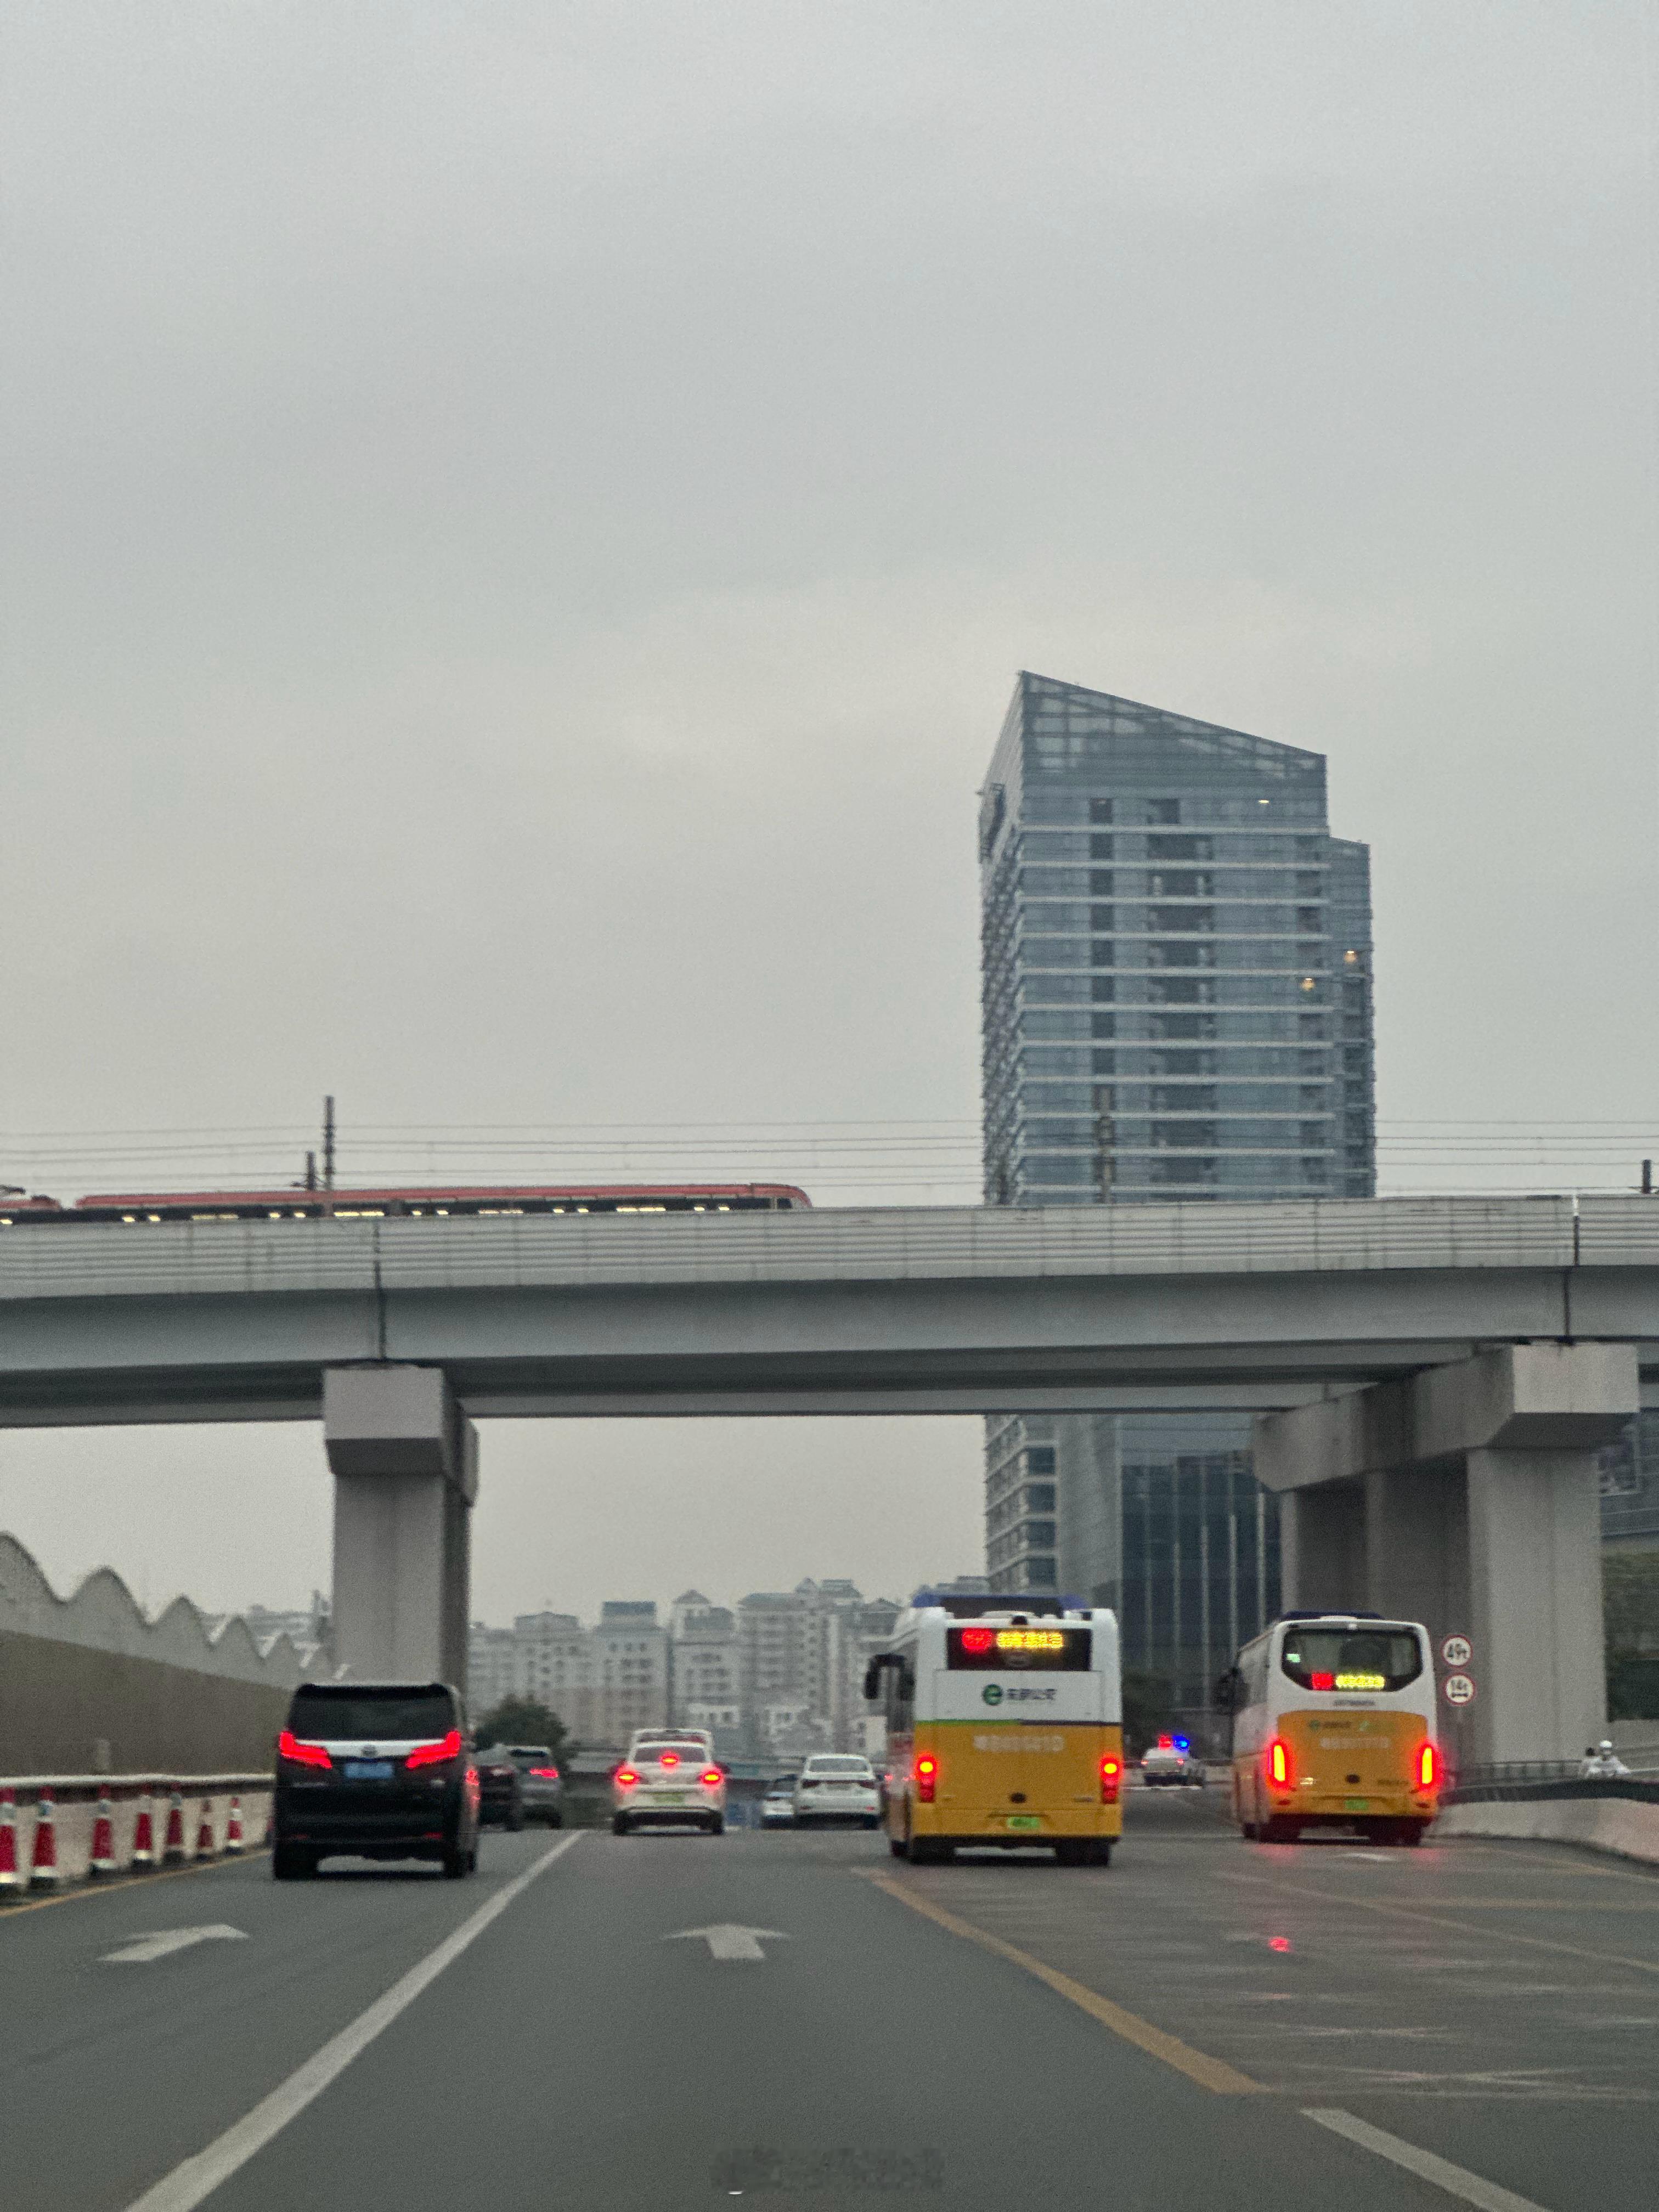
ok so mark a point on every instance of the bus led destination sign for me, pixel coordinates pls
(996, 1649)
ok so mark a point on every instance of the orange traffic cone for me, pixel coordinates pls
(103, 1837)
(9, 1877)
(173, 1848)
(143, 1837)
(43, 1872)
(234, 1826)
(207, 1846)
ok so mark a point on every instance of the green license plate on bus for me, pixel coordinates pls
(1355, 1804)
(1024, 1820)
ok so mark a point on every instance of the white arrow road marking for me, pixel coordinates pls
(166, 1941)
(726, 1941)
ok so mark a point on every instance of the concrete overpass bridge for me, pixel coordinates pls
(1483, 1350)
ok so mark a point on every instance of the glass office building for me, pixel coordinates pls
(1177, 960)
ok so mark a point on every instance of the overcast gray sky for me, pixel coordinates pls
(521, 523)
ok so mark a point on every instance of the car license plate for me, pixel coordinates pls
(368, 1770)
(670, 1797)
(1355, 1804)
(1026, 1820)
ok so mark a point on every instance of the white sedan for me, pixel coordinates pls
(833, 1785)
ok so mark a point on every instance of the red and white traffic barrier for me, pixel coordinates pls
(143, 1837)
(233, 1825)
(103, 1837)
(173, 1848)
(43, 1868)
(207, 1844)
(10, 1877)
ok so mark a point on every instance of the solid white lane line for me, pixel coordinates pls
(1456, 2180)
(189, 2184)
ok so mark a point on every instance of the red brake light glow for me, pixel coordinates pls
(434, 1754)
(1318, 1681)
(927, 1778)
(626, 1778)
(669, 1759)
(1428, 1766)
(712, 1779)
(302, 1754)
(977, 1639)
(1111, 1773)
(1279, 1769)
(545, 1773)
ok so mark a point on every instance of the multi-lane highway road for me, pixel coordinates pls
(793, 2020)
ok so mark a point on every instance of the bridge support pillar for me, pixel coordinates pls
(405, 1462)
(1466, 1497)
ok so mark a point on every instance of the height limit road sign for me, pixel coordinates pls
(1457, 1651)
(1460, 1690)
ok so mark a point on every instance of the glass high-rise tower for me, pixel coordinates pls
(1176, 1005)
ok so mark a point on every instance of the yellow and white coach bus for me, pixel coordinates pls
(1004, 1728)
(1334, 1726)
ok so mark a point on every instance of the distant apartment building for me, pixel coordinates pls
(778, 1675)
(602, 1682)
(705, 1670)
(1177, 977)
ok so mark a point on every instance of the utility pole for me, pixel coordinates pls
(328, 1142)
(1647, 1178)
(311, 1171)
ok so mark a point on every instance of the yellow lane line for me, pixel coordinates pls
(1209, 2073)
(1444, 1920)
(82, 1891)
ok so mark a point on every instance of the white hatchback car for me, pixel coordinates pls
(668, 1782)
(834, 1785)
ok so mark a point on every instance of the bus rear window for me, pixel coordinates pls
(1353, 1659)
(1039, 1647)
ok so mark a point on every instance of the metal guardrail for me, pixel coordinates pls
(1642, 1789)
(1343, 1236)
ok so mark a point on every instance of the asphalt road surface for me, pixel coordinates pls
(1469, 2019)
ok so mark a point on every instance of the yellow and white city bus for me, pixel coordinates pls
(1334, 1726)
(1004, 1728)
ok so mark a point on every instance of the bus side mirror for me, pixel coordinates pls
(872, 1674)
(1226, 1690)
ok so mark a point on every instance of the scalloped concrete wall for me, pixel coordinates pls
(87, 1682)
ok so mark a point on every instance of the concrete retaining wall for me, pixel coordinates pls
(89, 1682)
(76, 1809)
(1620, 1824)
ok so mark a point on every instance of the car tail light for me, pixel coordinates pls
(926, 1779)
(290, 1746)
(1428, 1766)
(712, 1779)
(434, 1754)
(545, 1773)
(1280, 1770)
(1111, 1774)
(626, 1778)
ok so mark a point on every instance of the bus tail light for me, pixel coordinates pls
(1428, 1766)
(1111, 1774)
(1280, 1770)
(926, 1779)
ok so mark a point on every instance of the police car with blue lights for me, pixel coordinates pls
(1170, 1763)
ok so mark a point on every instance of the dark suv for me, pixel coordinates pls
(379, 1770)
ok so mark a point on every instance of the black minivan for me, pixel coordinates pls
(376, 1770)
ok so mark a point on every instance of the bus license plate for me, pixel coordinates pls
(1355, 1804)
(1024, 1820)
